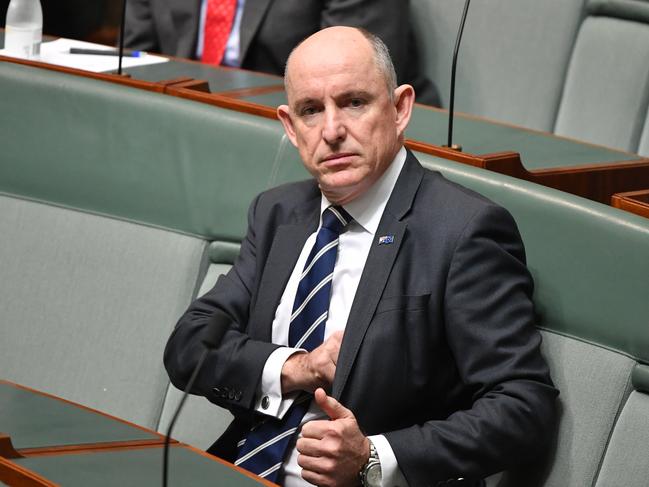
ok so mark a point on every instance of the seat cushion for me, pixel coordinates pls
(626, 462)
(607, 88)
(87, 304)
(512, 59)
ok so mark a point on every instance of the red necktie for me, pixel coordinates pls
(218, 24)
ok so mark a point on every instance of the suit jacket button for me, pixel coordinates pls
(265, 402)
(216, 391)
(237, 396)
(230, 394)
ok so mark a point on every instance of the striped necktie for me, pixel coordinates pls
(263, 451)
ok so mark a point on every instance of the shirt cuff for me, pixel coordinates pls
(391, 475)
(270, 400)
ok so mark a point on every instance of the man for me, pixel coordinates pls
(262, 33)
(429, 367)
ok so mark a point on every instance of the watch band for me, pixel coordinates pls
(371, 472)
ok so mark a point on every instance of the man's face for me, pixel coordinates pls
(340, 114)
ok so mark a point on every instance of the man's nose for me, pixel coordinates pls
(333, 131)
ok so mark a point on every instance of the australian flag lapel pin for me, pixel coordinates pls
(386, 239)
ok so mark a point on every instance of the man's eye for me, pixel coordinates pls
(356, 102)
(306, 111)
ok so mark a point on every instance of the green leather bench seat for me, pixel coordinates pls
(513, 57)
(606, 92)
(575, 67)
(109, 199)
(87, 304)
(136, 155)
(643, 148)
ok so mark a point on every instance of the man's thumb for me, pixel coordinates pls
(330, 406)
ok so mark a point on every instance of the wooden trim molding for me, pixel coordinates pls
(7, 449)
(633, 201)
(158, 87)
(17, 476)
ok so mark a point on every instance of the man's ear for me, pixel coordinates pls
(284, 115)
(404, 99)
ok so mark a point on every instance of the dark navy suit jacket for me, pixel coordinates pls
(440, 353)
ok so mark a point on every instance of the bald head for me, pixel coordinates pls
(344, 113)
(333, 43)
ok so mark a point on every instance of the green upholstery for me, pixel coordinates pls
(606, 92)
(635, 10)
(137, 155)
(643, 147)
(640, 378)
(88, 303)
(594, 383)
(513, 56)
(201, 422)
(626, 461)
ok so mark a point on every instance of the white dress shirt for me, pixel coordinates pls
(231, 55)
(353, 248)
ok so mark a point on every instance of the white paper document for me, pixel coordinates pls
(58, 52)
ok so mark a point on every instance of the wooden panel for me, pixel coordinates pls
(633, 201)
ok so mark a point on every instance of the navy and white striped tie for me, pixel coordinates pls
(263, 451)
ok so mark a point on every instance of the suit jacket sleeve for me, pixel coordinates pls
(232, 371)
(140, 29)
(506, 408)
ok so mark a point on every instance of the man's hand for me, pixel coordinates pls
(308, 371)
(332, 452)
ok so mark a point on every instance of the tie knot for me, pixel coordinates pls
(335, 218)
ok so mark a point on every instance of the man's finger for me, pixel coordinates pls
(316, 429)
(330, 406)
(309, 447)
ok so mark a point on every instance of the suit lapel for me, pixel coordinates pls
(253, 13)
(377, 269)
(286, 247)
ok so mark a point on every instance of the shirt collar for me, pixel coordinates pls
(367, 209)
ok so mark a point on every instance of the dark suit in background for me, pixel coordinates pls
(439, 354)
(270, 29)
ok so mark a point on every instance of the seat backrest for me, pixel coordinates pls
(643, 146)
(606, 93)
(626, 462)
(201, 422)
(108, 199)
(513, 55)
(88, 303)
(132, 154)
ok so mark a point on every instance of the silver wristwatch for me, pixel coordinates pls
(371, 472)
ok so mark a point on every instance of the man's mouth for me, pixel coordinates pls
(338, 157)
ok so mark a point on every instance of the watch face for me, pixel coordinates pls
(374, 475)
